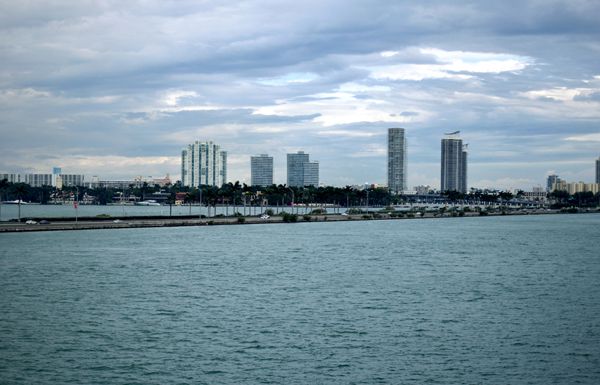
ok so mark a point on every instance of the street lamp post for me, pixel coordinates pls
(76, 204)
(292, 191)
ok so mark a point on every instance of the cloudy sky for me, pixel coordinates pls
(117, 88)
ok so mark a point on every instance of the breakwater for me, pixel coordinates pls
(98, 223)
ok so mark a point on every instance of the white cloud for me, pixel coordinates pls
(584, 138)
(562, 94)
(353, 87)
(414, 72)
(289, 79)
(450, 65)
(22, 93)
(172, 98)
(334, 108)
(348, 133)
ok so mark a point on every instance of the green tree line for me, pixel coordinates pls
(238, 194)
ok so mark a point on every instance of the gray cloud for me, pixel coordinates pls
(137, 80)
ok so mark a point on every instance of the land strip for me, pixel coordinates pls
(125, 223)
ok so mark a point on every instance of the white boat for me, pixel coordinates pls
(149, 202)
(15, 202)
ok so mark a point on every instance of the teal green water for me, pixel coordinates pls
(498, 300)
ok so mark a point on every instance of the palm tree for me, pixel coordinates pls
(144, 189)
(3, 186)
(236, 193)
(20, 189)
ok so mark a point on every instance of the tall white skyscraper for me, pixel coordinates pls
(203, 163)
(261, 170)
(301, 171)
(396, 160)
(454, 163)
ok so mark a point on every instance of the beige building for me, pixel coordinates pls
(575, 187)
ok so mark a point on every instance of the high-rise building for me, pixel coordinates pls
(56, 171)
(598, 170)
(203, 163)
(301, 171)
(551, 181)
(72, 179)
(261, 170)
(454, 163)
(311, 174)
(38, 180)
(396, 160)
(13, 178)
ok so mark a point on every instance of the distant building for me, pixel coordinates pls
(162, 182)
(203, 163)
(598, 170)
(454, 164)
(550, 181)
(576, 187)
(69, 180)
(118, 184)
(56, 171)
(301, 171)
(537, 194)
(396, 160)
(13, 178)
(38, 180)
(311, 174)
(261, 170)
(422, 190)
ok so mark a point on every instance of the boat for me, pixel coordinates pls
(149, 202)
(15, 202)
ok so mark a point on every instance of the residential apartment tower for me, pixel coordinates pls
(301, 171)
(396, 160)
(454, 163)
(261, 170)
(203, 163)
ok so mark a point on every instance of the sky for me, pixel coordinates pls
(117, 88)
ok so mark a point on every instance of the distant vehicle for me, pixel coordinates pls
(150, 202)
(264, 217)
(31, 222)
(117, 221)
(345, 214)
(44, 222)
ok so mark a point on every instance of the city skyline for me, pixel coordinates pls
(451, 143)
(79, 90)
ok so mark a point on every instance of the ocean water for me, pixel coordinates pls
(486, 300)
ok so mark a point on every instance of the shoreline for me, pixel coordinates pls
(131, 223)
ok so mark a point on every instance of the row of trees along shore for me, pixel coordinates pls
(237, 194)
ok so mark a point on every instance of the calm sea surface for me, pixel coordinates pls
(494, 300)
